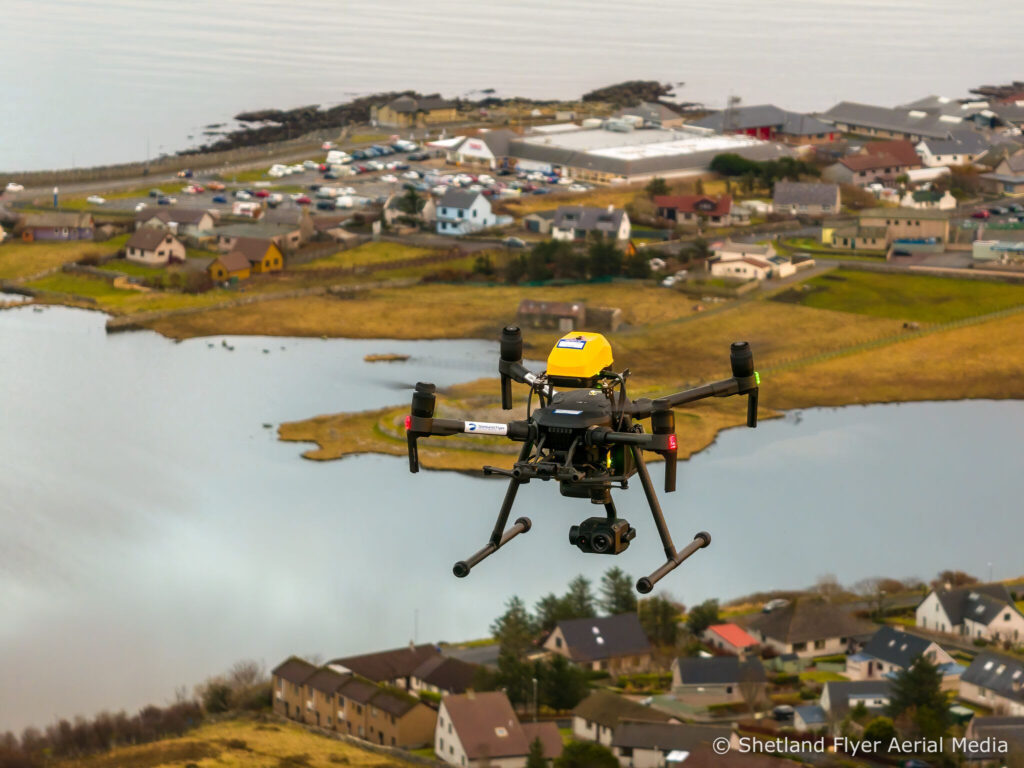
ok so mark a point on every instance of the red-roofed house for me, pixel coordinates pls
(881, 162)
(900, 150)
(728, 637)
(690, 209)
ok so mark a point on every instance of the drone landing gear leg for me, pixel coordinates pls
(675, 559)
(499, 536)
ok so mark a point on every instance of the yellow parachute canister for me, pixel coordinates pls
(579, 355)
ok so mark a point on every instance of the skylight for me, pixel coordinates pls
(1016, 674)
(980, 609)
(595, 630)
(500, 731)
(989, 665)
(600, 640)
(1002, 668)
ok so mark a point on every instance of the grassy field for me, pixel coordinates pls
(905, 297)
(367, 254)
(818, 676)
(237, 743)
(20, 260)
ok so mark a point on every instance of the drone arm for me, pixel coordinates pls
(511, 368)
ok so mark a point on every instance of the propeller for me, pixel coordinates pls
(747, 379)
(511, 352)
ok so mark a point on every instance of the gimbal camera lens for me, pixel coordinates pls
(600, 543)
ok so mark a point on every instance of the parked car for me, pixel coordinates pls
(982, 214)
(164, 200)
(95, 200)
(418, 156)
(774, 605)
(220, 198)
(215, 186)
(325, 205)
(185, 174)
(1016, 207)
(14, 187)
(514, 242)
(411, 175)
(139, 206)
(302, 200)
(309, 165)
(997, 210)
(242, 195)
(261, 193)
(155, 192)
(541, 191)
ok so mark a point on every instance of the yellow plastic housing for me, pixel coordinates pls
(580, 355)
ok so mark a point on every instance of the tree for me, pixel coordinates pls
(579, 599)
(828, 587)
(751, 684)
(656, 186)
(514, 630)
(903, 180)
(953, 579)
(702, 616)
(535, 757)
(537, 265)
(605, 258)
(409, 203)
(617, 595)
(550, 610)
(216, 697)
(563, 685)
(731, 164)
(699, 187)
(585, 754)
(636, 266)
(659, 617)
(917, 691)
(880, 729)
(483, 265)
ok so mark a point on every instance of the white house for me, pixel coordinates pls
(154, 247)
(808, 627)
(489, 149)
(996, 682)
(746, 261)
(838, 698)
(577, 222)
(460, 212)
(478, 729)
(648, 745)
(928, 199)
(728, 637)
(891, 651)
(598, 716)
(981, 610)
(962, 148)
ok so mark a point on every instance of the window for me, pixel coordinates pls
(449, 727)
(1006, 617)
(819, 644)
(440, 743)
(799, 646)
(728, 689)
(558, 642)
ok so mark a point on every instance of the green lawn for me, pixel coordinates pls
(903, 297)
(18, 260)
(92, 287)
(816, 676)
(366, 254)
(131, 268)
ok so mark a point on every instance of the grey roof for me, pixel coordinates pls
(1010, 113)
(388, 665)
(720, 670)
(805, 620)
(651, 111)
(496, 141)
(256, 229)
(840, 693)
(743, 118)
(965, 602)
(667, 736)
(805, 193)
(895, 647)
(1008, 729)
(897, 120)
(56, 219)
(148, 238)
(812, 714)
(548, 215)
(959, 143)
(454, 197)
(1002, 674)
(608, 709)
(588, 218)
(747, 249)
(448, 674)
(604, 637)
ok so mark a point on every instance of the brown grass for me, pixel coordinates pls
(20, 260)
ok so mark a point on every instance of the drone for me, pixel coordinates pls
(586, 436)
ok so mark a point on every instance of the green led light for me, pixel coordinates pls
(757, 378)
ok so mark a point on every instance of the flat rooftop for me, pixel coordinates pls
(641, 144)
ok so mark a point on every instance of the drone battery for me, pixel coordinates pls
(578, 358)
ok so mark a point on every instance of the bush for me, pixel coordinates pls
(784, 679)
(430, 697)
(216, 697)
(236, 744)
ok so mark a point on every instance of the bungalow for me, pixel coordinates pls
(460, 212)
(729, 638)
(184, 222)
(746, 261)
(650, 745)
(981, 610)
(397, 208)
(286, 236)
(488, 149)
(861, 170)
(961, 148)
(718, 679)
(443, 674)
(393, 667)
(805, 197)
(230, 266)
(599, 716)
(262, 255)
(891, 651)
(298, 217)
(769, 123)
(1007, 178)
(153, 247)
(55, 226)
(616, 644)
(838, 698)
(996, 682)
(577, 222)
(539, 222)
(482, 729)
(809, 628)
(697, 209)
(809, 717)
(407, 111)
(287, 681)
(928, 200)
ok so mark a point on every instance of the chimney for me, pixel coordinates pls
(412, 646)
(611, 208)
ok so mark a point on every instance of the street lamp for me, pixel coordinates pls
(535, 699)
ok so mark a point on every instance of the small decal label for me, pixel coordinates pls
(572, 343)
(567, 413)
(486, 428)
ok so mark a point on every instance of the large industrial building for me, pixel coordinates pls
(615, 152)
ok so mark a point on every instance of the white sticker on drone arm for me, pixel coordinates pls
(485, 428)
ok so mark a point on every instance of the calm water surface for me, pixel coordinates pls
(152, 531)
(96, 81)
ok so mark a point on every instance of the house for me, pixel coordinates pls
(489, 149)
(729, 638)
(1008, 730)
(891, 651)
(262, 255)
(443, 674)
(478, 729)
(460, 212)
(900, 151)
(185, 222)
(286, 236)
(769, 123)
(577, 222)
(407, 112)
(154, 247)
(805, 198)
(322, 707)
(563, 315)
(896, 123)
(996, 682)
(699, 209)
(616, 644)
(287, 681)
(808, 628)
(748, 261)
(396, 209)
(718, 679)
(292, 218)
(652, 114)
(928, 200)
(394, 667)
(961, 148)
(982, 610)
(1007, 178)
(230, 266)
(838, 698)
(598, 716)
(55, 226)
(809, 717)
(863, 169)
(539, 222)
(649, 745)
(856, 238)
(908, 225)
